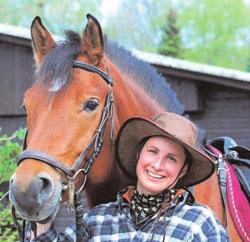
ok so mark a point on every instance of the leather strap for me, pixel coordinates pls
(46, 158)
(91, 68)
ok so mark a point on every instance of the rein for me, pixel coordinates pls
(96, 143)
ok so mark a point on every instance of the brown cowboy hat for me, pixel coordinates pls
(170, 125)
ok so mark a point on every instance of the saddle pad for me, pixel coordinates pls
(238, 204)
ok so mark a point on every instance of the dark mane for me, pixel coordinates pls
(57, 67)
(145, 75)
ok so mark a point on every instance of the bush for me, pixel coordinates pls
(10, 147)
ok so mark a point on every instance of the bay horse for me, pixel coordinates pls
(86, 87)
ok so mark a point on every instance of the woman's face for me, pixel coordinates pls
(160, 162)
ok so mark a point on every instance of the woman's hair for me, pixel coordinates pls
(140, 145)
(188, 162)
(188, 159)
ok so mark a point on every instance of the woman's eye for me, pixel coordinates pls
(172, 158)
(91, 105)
(152, 151)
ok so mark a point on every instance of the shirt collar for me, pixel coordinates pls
(124, 196)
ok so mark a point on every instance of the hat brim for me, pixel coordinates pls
(136, 129)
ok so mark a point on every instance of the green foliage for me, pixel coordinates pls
(137, 24)
(58, 15)
(171, 43)
(216, 32)
(248, 64)
(9, 149)
(8, 231)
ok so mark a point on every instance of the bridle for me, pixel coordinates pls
(95, 143)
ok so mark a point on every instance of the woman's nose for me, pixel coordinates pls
(157, 164)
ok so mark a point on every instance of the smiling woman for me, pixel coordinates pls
(163, 157)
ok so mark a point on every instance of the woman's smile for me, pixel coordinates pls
(154, 175)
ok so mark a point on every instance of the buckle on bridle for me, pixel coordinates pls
(72, 188)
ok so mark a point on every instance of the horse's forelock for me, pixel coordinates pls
(57, 64)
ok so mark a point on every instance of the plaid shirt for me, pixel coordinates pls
(112, 222)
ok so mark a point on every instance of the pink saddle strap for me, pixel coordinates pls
(238, 204)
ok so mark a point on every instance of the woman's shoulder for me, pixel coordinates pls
(199, 207)
(186, 204)
(201, 220)
(200, 214)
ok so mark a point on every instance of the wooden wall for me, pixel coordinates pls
(16, 68)
(226, 112)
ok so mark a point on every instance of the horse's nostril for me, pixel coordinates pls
(46, 185)
(41, 188)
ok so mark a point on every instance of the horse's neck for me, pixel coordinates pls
(132, 100)
(208, 192)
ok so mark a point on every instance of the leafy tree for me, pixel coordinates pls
(171, 43)
(137, 24)
(216, 32)
(248, 65)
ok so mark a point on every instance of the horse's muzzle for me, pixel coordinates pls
(39, 200)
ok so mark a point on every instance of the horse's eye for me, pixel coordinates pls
(91, 105)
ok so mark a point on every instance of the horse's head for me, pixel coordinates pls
(67, 109)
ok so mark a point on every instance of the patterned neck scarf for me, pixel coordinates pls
(144, 206)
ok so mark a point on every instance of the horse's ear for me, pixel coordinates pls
(42, 41)
(93, 40)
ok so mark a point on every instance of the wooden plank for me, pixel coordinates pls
(16, 68)
(187, 92)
